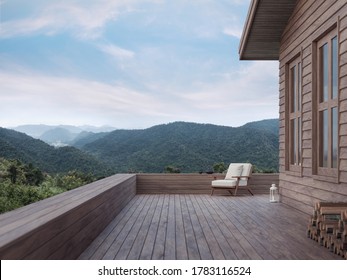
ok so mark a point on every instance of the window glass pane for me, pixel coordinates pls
(334, 70)
(299, 141)
(299, 87)
(324, 73)
(293, 141)
(293, 89)
(334, 136)
(323, 149)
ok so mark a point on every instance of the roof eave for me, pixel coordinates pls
(263, 29)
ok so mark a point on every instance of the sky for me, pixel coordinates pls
(130, 64)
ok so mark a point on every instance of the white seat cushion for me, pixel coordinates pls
(224, 183)
(228, 183)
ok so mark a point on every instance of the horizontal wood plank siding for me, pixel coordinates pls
(309, 19)
(197, 183)
(64, 225)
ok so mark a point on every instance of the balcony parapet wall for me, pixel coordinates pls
(182, 183)
(62, 227)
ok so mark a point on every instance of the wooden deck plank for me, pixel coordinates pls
(181, 245)
(180, 226)
(293, 236)
(107, 238)
(229, 234)
(282, 235)
(88, 253)
(123, 232)
(136, 249)
(192, 245)
(170, 240)
(159, 245)
(239, 237)
(148, 246)
(204, 249)
(260, 232)
(132, 235)
(249, 230)
(209, 231)
(214, 225)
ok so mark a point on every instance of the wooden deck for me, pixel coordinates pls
(186, 226)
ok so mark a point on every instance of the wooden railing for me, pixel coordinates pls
(62, 227)
(197, 183)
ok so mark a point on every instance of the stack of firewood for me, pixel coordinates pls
(328, 226)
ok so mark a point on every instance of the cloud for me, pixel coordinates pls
(247, 94)
(33, 97)
(116, 52)
(85, 19)
(233, 31)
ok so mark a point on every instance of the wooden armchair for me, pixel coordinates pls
(238, 175)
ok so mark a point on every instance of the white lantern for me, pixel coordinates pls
(274, 196)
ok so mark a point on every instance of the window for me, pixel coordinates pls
(294, 98)
(327, 105)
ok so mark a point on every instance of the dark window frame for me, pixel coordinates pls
(326, 107)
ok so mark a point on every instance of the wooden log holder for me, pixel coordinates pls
(328, 226)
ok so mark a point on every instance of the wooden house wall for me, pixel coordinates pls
(309, 19)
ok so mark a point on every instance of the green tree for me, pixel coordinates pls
(172, 169)
(13, 172)
(33, 175)
(219, 167)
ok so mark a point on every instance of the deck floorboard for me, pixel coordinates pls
(177, 226)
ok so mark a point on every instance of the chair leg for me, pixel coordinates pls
(250, 191)
(212, 191)
(230, 192)
(235, 190)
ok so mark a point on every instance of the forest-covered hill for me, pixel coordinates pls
(188, 147)
(17, 145)
(179, 146)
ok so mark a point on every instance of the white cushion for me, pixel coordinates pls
(247, 169)
(228, 183)
(234, 170)
(224, 183)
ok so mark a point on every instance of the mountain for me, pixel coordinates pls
(191, 147)
(33, 130)
(58, 136)
(17, 145)
(85, 137)
(61, 135)
(188, 147)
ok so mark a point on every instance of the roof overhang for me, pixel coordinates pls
(265, 23)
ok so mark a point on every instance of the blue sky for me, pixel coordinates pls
(130, 64)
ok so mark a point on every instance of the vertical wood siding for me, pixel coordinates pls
(309, 19)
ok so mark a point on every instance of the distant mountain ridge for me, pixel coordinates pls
(60, 135)
(17, 145)
(191, 147)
